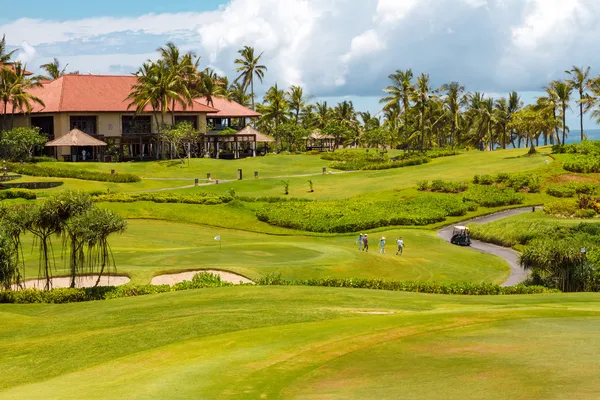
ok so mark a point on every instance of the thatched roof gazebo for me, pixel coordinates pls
(260, 137)
(318, 141)
(76, 138)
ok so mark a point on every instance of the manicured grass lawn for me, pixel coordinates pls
(150, 248)
(303, 343)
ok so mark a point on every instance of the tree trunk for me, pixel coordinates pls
(252, 91)
(564, 118)
(581, 115)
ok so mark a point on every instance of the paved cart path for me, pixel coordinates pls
(517, 273)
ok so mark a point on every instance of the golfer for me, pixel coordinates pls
(400, 244)
(360, 242)
(366, 242)
(382, 244)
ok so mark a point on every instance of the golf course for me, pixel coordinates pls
(303, 341)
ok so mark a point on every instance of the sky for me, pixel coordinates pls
(336, 49)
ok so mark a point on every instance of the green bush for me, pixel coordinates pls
(448, 187)
(561, 191)
(74, 173)
(423, 186)
(562, 208)
(42, 159)
(365, 165)
(492, 196)
(509, 233)
(164, 197)
(17, 194)
(351, 216)
(582, 163)
(585, 213)
(465, 288)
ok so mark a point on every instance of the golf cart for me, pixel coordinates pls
(461, 236)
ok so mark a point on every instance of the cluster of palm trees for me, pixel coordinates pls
(15, 83)
(175, 79)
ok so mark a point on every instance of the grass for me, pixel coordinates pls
(300, 343)
(150, 248)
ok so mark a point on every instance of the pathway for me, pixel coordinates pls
(517, 273)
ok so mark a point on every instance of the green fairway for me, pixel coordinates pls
(149, 248)
(303, 343)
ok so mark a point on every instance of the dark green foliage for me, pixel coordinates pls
(361, 165)
(448, 187)
(571, 189)
(351, 216)
(162, 197)
(492, 196)
(515, 181)
(75, 173)
(17, 194)
(583, 163)
(471, 289)
(562, 208)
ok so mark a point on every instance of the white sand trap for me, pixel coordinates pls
(172, 279)
(80, 282)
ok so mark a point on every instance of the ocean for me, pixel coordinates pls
(575, 135)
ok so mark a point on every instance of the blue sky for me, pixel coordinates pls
(336, 49)
(76, 9)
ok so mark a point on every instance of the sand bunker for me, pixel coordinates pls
(81, 282)
(172, 279)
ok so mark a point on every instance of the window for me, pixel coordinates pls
(192, 119)
(136, 124)
(84, 123)
(46, 125)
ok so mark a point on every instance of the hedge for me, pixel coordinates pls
(74, 173)
(207, 280)
(198, 198)
(17, 194)
(459, 288)
(492, 196)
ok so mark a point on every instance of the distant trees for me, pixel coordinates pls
(19, 143)
(54, 70)
(248, 68)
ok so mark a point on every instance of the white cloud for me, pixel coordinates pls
(27, 53)
(343, 47)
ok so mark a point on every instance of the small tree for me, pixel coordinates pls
(19, 143)
(376, 137)
(12, 222)
(286, 187)
(340, 132)
(9, 265)
(179, 137)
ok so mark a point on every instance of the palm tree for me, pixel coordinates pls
(345, 114)
(178, 70)
(399, 95)
(563, 92)
(550, 103)
(211, 85)
(275, 109)
(323, 114)
(5, 56)
(14, 90)
(249, 67)
(421, 97)
(502, 115)
(454, 101)
(53, 69)
(297, 101)
(237, 94)
(580, 81)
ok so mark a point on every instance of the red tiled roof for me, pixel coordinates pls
(95, 93)
(228, 109)
(12, 67)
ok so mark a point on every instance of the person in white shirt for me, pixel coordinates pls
(400, 244)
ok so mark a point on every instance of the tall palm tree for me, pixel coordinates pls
(4, 55)
(237, 94)
(550, 103)
(14, 91)
(323, 114)
(275, 110)
(178, 69)
(399, 94)
(53, 69)
(248, 68)
(563, 92)
(211, 85)
(487, 120)
(421, 97)
(454, 101)
(501, 112)
(580, 81)
(297, 101)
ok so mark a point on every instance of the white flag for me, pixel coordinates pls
(218, 238)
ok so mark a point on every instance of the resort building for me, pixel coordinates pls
(97, 105)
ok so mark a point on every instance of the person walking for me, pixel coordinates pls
(360, 241)
(382, 245)
(366, 242)
(400, 244)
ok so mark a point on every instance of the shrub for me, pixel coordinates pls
(162, 197)
(585, 213)
(464, 288)
(561, 208)
(423, 186)
(485, 180)
(17, 194)
(509, 233)
(351, 216)
(74, 173)
(561, 191)
(365, 165)
(582, 163)
(492, 196)
(448, 187)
